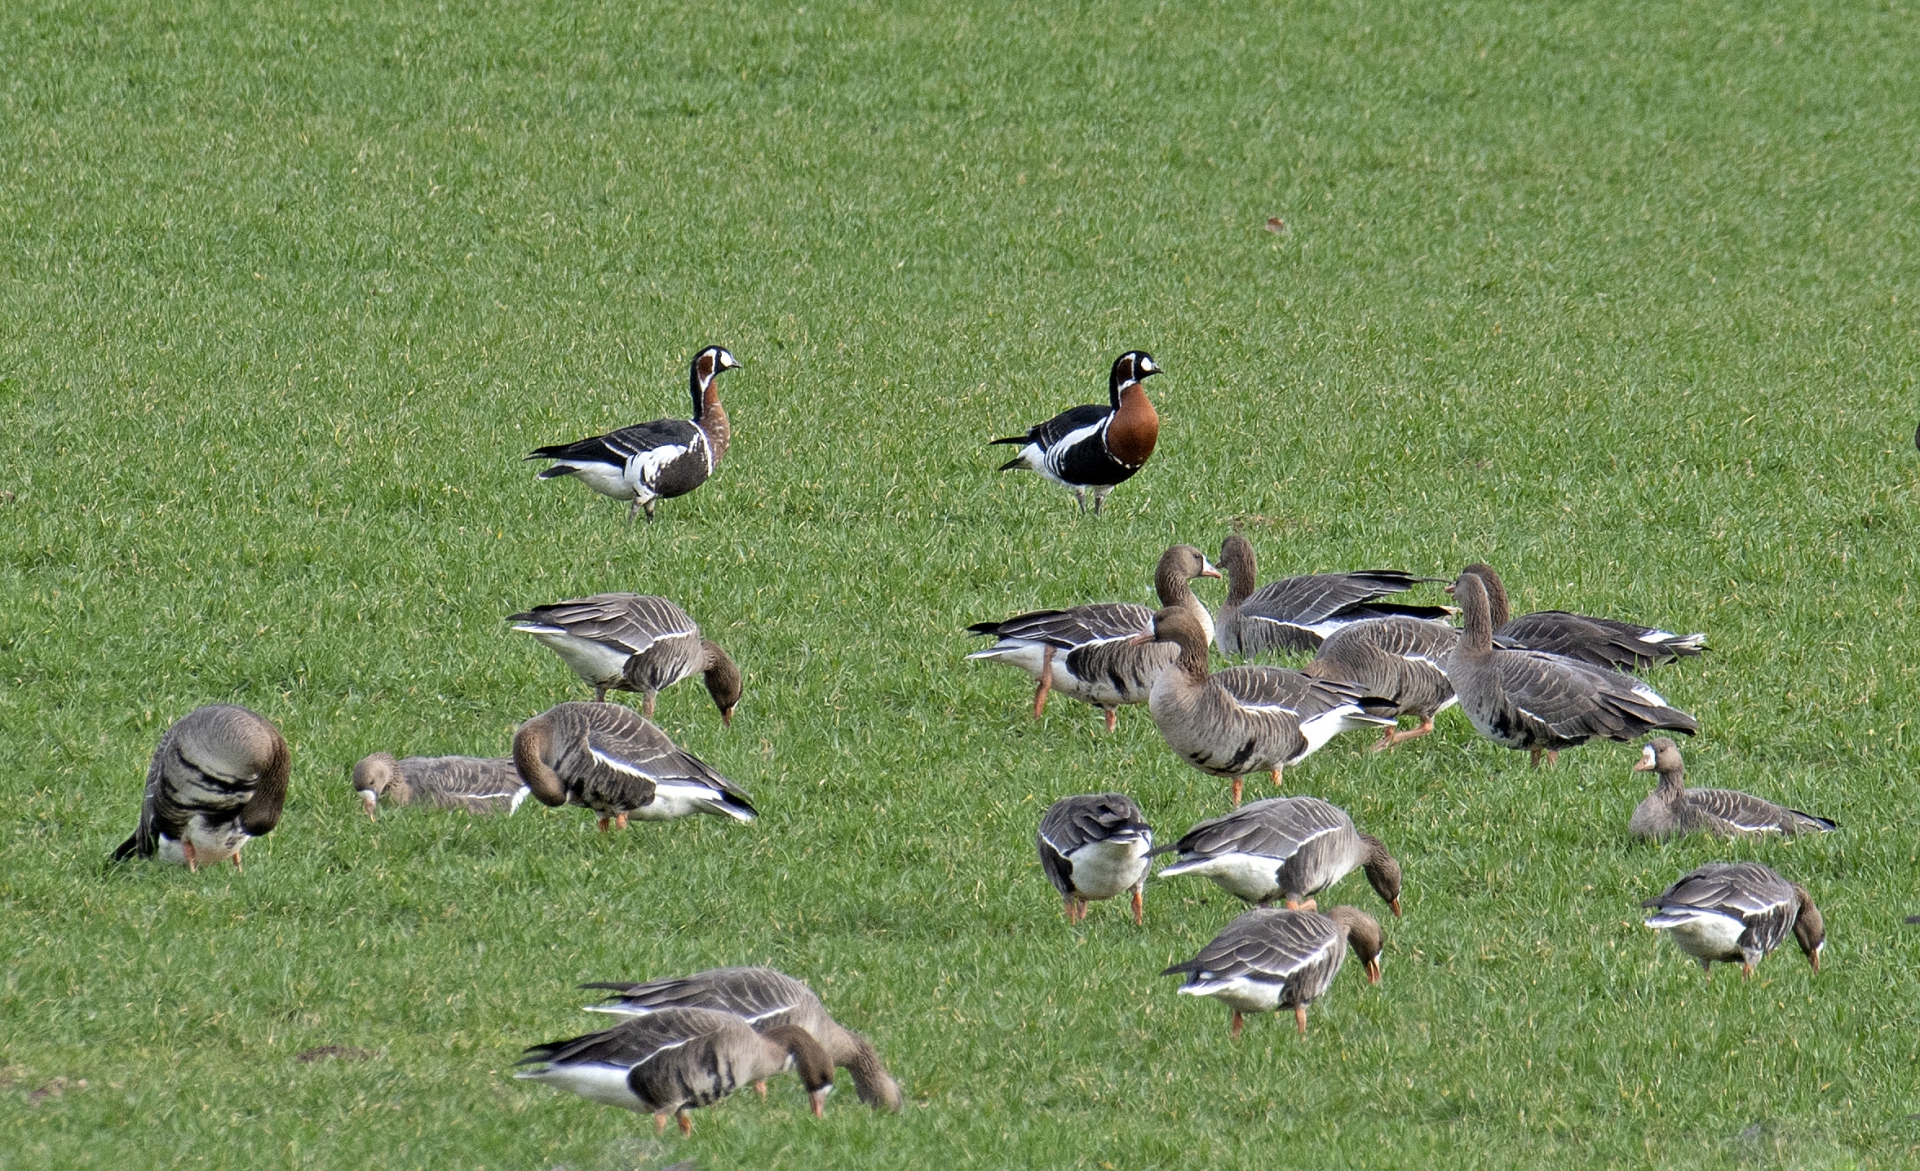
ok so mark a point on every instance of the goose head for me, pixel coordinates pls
(1363, 937)
(1383, 872)
(373, 776)
(1179, 565)
(1809, 928)
(806, 1057)
(1661, 755)
(723, 680)
(707, 364)
(1132, 366)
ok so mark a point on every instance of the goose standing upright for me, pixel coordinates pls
(1294, 847)
(658, 460)
(1598, 642)
(1267, 960)
(610, 759)
(1737, 912)
(217, 781)
(1673, 810)
(632, 642)
(1298, 613)
(1401, 660)
(1095, 447)
(470, 783)
(1093, 846)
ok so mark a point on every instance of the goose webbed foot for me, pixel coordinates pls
(236, 863)
(1276, 776)
(604, 823)
(760, 1088)
(1395, 736)
(685, 1119)
(620, 821)
(1113, 717)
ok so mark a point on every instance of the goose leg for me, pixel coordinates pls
(1537, 754)
(1080, 494)
(1300, 1018)
(1066, 904)
(1276, 776)
(1553, 758)
(193, 863)
(1746, 972)
(760, 1088)
(1395, 736)
(236, 863)
(632, 512)
(1235, 1030)
(1100, 499)
(660, 1124)
(1237, 787)
(646, 705)
(603, 824)
(1112, 714)
(686, 1119)
(620, 821)
(686, 1123)
(1046, 684)
(1139, 908)
(599, 693)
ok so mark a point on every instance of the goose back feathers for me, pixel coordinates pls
(1095, 448)
(1094, 846)
(1737, 912)
(612, 760)
(632, 642)
(1299, 613)
(1267, 960)
(1598, 642)
(1673, 810)
(218, 780)
(1399, 660)
(468, 783)
(1291, 847)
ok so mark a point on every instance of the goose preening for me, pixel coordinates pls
(440, 782)
(1598, 642)
(1400, 660)
(1096, 447)
(1298, 613)
(764, 998)
(1094, 846)
(610, 759)
(657, 460)
(1541, 702)
(1267, 960)
(667, 1063)
(632, 642)
(1084, 652)
(1673, 810)
(218, 780)
(1291, 847)
(1737, 912)
(1246, 719)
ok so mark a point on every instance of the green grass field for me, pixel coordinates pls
(1618, 296)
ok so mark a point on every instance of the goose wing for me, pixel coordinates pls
(1277, 827)
(762, 997)
(1298, 613)
(1278, 687)
(631, 622)
(1073, 822)
(1599, 642)
(145, 839)
(616, 448)
(1270, 946)
(1747, 814)
(629, 1043)
(1074, 627)
(630, 749)
(1573, 702)
(1062, 425)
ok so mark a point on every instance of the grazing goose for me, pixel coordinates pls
(1598, 642)
(1084, 651)
(1093, 446)
(1737, 912)
(610, 759)
(1267, 960)
(1294, 847)
(1093, 847)
(633, 642)
(1398, 659)
(765, 999)
(1298, 613)
(1246, 719)
(657, 460)
(1673, 810)
(440, 782)
(218, 779)
(670, 1062)
(1544, 702)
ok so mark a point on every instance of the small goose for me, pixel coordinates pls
(440, 782)
(667, 1063)
(610, 759)
(1737, 912)
(1544, 702)
(1294, 847)
(1094, 846)
(1267, 960)
(1673, 810)
(1246, 719)
(1093, 446)
(633, 642)
(217, 781)
(1298, 613)
(657, 460)
(765, 999)
(1598, 642)
(1400, 660)
(1084, 651)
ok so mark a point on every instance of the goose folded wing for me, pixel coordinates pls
(1064, 424)
(1319, 596)
(1277, 687)
(1274, 828)
(629, 621)
(1282, 947)
(760, 996)
(1600, 642)
(1743, 812)
(1075, 627)
(1571, 700)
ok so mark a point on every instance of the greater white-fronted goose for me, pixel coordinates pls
(1673, 810)
(610, 759)
(764, 998)
(1285, 847)
(1267, 960)
(667, 1063)
(1084, 652)
(470, 783)
(632, 642)
(217, 781)
(1400, 660)
(1598, 642)
(1543, 702)
(1298, 613)
(1095, 447)
(658, 460)
(1094, 846)
(1247, 719)
(1737, 912)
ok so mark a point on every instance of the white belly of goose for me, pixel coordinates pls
(1704, 935)
(1252, 877)
(673, 799)
(209, 845)
(1240, 993)
(1102, 870)
(594, 661)
(1030, 657)
(606, 479)
(606, 1084)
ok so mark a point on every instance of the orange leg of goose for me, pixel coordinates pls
(1537, 754)
(1046, 685)
(760, 1088)
(1236, 1023)
(1113, 716)
(620, 821)
(1395, 736)
(1139, 908)
(1746, 971)
(1300, 1018)
(686, 1122)
(1238, 784)
(659, 1124)
(604, 822)
(236, 862)
(1276, 776)
(646, 706)
(1553, 758)
(193, 863)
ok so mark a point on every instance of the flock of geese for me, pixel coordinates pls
(1541, 683)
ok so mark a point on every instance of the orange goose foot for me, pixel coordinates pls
(686, 1119)
(1113, 717)
(603, 823)
(1276, 776)
(1395, 736)
(1302, 905)
(620, 822)
(236, 863)
(760, 1088)
(1238, 785)
(659, 1124)
(193, 862)
(1139, 909)
(1300, 1018)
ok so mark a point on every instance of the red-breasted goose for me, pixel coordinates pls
(469, 783)
(1095, 447)
(1267, 960)
(1093, 847)
(1737, 912)
(658, 460)
(632, 642)
(217, 781)
(1673, 810)
(1401, 660)
(1285, 847)
(1598, 642)
(1298, 613)
(1543, 702)
(610, 759)
(764, 998)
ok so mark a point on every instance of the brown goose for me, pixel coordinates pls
(1294, 847)
(1094, 846)
(1737, 912)
(1673, 810)
(632, 642)
(667, 1063)
(1084, 651)
(1542, 702)
(440, 782)
(217, 781)
(1246, 719)
(1267, 960)
(611, 760)
(1298, 613)
(1598, 642)
(764, 998)
(1400, 660)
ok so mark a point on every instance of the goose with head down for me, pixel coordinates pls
(1267, 960)
(1673, 810)
(1598, 642)
(1737, 912)
(1400, 660)
(632, 642)
(217, 781)
(1299, 613)
(612, 760)
(1094, 846)
(1285, 847)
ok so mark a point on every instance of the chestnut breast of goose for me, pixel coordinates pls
(614, 761)
(1292, 846)
(1736, 912)
(217, 780)
(1094, 845)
